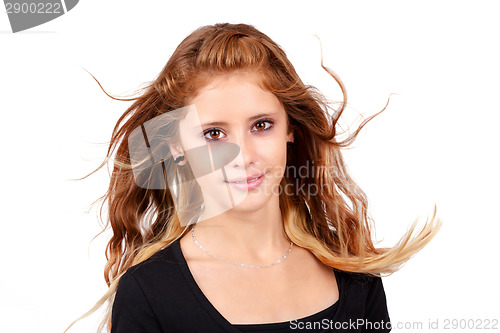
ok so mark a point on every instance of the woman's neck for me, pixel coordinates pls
(255, 237)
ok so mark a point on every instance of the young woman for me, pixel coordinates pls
(231, 206)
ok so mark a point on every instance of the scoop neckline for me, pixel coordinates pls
(219, 318)
(283, 324)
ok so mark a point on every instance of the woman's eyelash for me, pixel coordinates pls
(265, 121)
(270, 121)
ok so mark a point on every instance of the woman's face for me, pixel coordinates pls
(234, 109)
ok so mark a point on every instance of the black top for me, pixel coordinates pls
(161, 295)
(287, 326)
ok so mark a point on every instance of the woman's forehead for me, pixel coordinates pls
(236, 95)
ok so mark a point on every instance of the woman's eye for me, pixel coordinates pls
(260, 125)
(213, 134)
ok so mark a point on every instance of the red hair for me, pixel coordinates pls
(333, 224)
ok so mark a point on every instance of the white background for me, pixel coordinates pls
(437, 142)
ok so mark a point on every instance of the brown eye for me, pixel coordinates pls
(261, 125)
(212, 134)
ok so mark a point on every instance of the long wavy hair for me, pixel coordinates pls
(333, 224)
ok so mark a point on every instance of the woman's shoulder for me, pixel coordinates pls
(162, 265)
(151, 295)
(361, 279)
(364, 285)
(363, 296)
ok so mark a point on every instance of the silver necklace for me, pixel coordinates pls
(234, 263)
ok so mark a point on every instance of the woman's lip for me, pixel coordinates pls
(244, 179)
(248, 186)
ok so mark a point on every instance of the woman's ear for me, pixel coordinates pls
(289, 137)
(177, 154)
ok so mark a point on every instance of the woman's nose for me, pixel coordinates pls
(247, 154)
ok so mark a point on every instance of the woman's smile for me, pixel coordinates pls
(248, 184)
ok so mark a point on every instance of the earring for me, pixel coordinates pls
(179, 159)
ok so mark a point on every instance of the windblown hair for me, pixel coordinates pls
(333, 224)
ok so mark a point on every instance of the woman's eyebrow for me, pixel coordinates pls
(222, 123)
